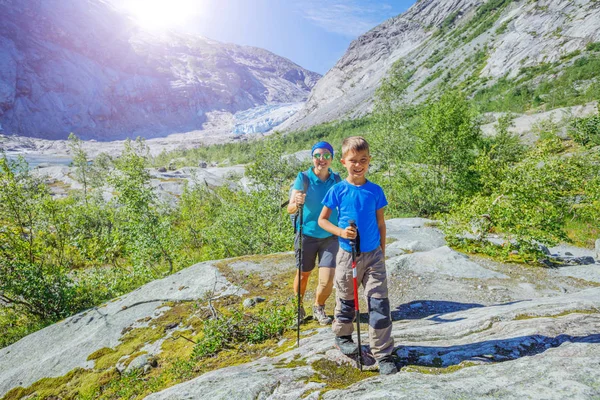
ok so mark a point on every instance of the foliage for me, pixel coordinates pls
(527, 202)
(586, 130)
(238, 328)
(31, 239)
(254, 222)
(498, 153)
(593, 46)
(146, 223)
(436, 170)
(89, 174)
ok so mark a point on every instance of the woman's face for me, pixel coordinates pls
(321, 160)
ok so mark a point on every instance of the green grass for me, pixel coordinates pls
(593, 46)
(574, 84)
(582, 233)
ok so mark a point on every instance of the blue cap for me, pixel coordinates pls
(322, 145)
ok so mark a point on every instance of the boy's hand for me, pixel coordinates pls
(299, 198)
(348, 233)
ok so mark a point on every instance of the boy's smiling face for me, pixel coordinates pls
(356, 163)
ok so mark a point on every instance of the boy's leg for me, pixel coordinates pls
(380, 320)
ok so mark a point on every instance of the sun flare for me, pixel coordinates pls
(162, 14)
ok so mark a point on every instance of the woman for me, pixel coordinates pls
(308, 191)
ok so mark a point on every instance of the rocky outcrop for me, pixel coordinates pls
(515, 351)
(438, 37)
(79, 66)
(64, 346)
(464, 327)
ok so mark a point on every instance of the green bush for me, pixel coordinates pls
(527, 202)
(445, 146)
(586, 130)
(239, 327)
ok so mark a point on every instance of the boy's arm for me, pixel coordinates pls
(348, 233)
(382, 229)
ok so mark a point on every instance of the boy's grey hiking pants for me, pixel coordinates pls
(371, 273)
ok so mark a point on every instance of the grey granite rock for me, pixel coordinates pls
(498, 352)
(252, 301)
(442, 260)
(501, 330)
(138, 363)
(61, 347)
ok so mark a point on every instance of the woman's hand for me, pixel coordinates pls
(299, 199)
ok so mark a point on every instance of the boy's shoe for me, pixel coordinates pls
(319, 315)
(346, 345)
(387, 366)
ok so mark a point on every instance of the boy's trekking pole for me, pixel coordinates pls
(299, 270)
(354, 278)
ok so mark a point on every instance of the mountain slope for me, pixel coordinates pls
(472, 44)
(79, 66)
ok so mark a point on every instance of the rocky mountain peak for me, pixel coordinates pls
(80, 66)
(447, 42)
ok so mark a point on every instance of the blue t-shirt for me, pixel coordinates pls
(312, 204)
(358, 203)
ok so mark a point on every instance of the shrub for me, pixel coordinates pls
(527, 202)
(586, 130)
(238, 327)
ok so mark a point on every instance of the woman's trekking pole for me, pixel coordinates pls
(299, 270)
(356, 307)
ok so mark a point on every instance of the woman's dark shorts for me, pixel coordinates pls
(326, 249)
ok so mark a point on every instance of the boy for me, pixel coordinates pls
(362, 201)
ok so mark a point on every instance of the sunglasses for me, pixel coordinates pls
(325, 156)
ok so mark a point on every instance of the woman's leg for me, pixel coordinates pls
(305, 276)
(325, 286)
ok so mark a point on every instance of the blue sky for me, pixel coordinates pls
(312, 33)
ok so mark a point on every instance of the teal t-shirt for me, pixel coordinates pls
(312, 205)
(358, 203)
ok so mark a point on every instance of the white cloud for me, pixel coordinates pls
(349, 18)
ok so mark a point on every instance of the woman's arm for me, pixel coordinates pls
(296, 199)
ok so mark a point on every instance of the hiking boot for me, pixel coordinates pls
(387, 366)
(302, 317)
(302, 313)
(319, 315)
(346, 345)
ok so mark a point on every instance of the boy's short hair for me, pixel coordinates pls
(354, 143)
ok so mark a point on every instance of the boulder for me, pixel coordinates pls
(253, 301)
(140, 362)
(598, 249)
